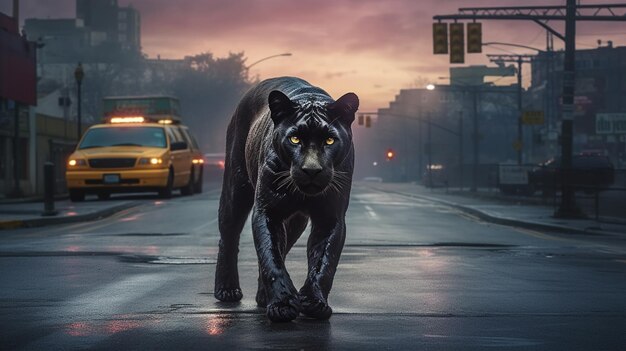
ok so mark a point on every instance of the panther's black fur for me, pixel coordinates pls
(286, 182)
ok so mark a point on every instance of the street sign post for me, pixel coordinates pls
(533, 117)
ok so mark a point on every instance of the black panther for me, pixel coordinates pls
(289, 159)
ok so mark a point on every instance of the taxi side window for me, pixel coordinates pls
(173, 138)
(190, 139)
(178, 136)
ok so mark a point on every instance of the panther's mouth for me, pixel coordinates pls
(310, 188)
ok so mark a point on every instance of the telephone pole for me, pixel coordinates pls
(519, 59)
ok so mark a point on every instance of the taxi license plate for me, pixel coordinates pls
(111, 179)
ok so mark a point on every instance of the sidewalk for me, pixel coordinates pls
(15, 214)
(530, 216)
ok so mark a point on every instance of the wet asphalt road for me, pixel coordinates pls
(413, 275)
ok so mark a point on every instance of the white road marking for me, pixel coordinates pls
(370, 212)
(109, 299)
(207, 224)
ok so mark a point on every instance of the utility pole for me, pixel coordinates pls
(519, 59)
(430, 154)
(461, 150)
(520, 140)
(420, 145)
(474, 187)
(17, 191)
(79, 74)
(570, 14)
(568, 207)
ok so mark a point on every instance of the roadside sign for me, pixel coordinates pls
(513, 175)
(532, 117)
(611, 123)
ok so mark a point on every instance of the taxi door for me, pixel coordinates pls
(181, 159)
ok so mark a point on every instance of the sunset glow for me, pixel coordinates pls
(374, 48)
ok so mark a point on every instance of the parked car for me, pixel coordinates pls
(435, 176)
(589, 173)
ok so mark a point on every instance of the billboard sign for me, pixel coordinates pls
(611, 123)
(18, 70)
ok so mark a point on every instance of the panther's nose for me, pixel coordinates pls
(311, 170)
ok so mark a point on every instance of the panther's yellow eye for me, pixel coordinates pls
(294, 140)
(330, 141)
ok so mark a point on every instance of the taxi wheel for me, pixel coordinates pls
(197, 187)
(76, 195)
(188, 189)
(166, 192)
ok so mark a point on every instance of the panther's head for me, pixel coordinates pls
(313, 137)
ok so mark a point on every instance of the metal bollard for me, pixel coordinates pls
(48, 190)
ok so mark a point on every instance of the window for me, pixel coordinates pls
(190, 139)
(178, 135)
(124, 136)
(173, 137)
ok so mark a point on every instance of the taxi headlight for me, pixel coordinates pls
(77, 162)
(151, 161)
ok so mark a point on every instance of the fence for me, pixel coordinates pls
(604, 203)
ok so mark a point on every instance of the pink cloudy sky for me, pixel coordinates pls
(371, 47)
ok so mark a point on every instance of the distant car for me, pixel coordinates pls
(590, 173)
(435, 176)
(214, 165)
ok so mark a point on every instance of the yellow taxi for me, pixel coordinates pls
(135, 154)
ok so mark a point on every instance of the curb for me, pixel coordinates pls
(45, 221)
(505, 220)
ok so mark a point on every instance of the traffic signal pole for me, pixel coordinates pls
(520, 112)
(570, 14)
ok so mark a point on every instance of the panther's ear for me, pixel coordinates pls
(345, 107)
(280, 106)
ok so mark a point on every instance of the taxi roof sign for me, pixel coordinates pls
(150, 107)
(142, 119)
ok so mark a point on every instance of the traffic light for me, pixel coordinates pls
(361, 120)
(474, 38)
(440, 38)
(390, 154)
(457, 43)
(368, 121)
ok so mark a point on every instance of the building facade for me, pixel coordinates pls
(599, 99)
(436, 127)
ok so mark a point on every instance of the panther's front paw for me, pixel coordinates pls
(315, 308)
(228, 294)
(283, 311)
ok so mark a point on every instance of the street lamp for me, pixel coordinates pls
(267, 58)
(79, 74)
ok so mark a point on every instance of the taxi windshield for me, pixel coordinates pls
(124, 136)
